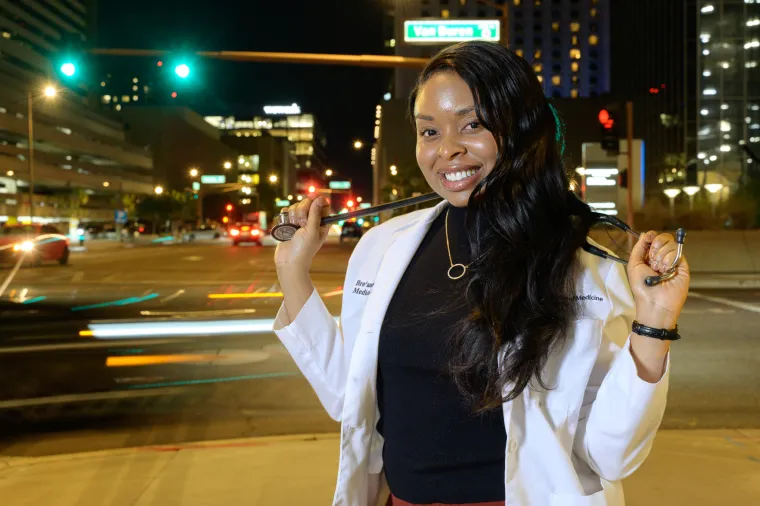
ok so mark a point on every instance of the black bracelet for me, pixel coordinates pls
(662, 334)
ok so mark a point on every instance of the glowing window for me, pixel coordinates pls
(593, 39)
(575, 27)
(574, 66)
(556, 80)
(573, 93)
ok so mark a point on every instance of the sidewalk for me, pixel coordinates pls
(686, 468)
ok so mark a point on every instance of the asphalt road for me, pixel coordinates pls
(715, 378)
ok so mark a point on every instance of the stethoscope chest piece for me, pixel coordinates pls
(283, 230)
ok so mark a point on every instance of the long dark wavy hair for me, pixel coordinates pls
(524, 226)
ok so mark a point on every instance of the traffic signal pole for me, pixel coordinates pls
(355, 60)
(629, 192)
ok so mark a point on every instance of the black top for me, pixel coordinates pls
(436, 449)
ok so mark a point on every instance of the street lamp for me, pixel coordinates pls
(49, 92)
(227, 165)
(273, 178)
(672, 193)
(358, 144)
(193, 172)
(691, 191)
(328, 172)
(312, 189)
(713, 188)
(290, 197)
(358, 199)
(159, 190)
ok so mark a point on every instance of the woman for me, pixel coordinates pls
(482, 356)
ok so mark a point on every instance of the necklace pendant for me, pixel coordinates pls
(455, 269)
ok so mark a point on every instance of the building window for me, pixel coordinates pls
(575, 14)
(557, 93)
(537, 54)
(517, 3)
(593, 39)
(538, 67)
(593, 12)
(518, 15)
(573, 93)
(556, 15)
(482, 13)
(575, 26)
(556, 54)
(519, 53)
(593, 28)
(575, 54)
(519, 28)
(593, 53)
(537, 3)
(540, 79)
(593, 80)
(125, 98)
(574, 79)
(537, 41)
(425, 13)
(555, 26)
(574, 40)
(574, 66)
(556, 41)
(445, 13)
(556, 80)
(593, 67)
(557, 67)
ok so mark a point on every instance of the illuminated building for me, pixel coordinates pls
(728, 88)
(566, 41)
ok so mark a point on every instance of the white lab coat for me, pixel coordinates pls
(568, 446)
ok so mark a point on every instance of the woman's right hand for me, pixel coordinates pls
(301, 249)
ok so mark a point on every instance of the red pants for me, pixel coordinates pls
(395, 501)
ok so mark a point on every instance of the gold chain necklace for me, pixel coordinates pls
(454, 266)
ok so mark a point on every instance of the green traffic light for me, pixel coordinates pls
(182, 70)
(68, 69)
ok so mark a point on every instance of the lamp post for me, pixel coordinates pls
(50, 92)
(691, 191)
(672, 193)
(713, 188)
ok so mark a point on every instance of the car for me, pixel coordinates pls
(350, 230)
(246, 232)
(41, 243)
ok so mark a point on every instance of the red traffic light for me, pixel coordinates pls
(229, 208)
(312, 189)
(605, 119)
(225, 220)
(350, 203)
(160, 63)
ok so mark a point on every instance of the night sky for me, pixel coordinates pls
(342, 98)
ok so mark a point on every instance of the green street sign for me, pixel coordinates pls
(340, 185)
(365, 205)
(451, 30)
(213, 179)
(196, 186)
(282, 203)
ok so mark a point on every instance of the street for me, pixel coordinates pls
(715, 380)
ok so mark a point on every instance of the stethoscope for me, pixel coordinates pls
(283, 230)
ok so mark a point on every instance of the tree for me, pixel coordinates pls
(407, 182)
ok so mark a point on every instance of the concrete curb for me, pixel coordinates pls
(14, 462)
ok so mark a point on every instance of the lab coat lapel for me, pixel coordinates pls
(360, 407)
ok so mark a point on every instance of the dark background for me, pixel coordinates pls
(342, 98)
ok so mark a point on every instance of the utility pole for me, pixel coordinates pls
(629, 213)
(504, 18)
(30, 127)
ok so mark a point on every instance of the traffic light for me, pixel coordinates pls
(225, 219)
(350, 204)
(229, 208)
(609, 124)
(182, 70)
(68, 68)
(312, 189)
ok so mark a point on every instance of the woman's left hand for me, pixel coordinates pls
(657, 306)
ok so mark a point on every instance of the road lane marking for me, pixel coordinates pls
(727, 302)
(172, 296)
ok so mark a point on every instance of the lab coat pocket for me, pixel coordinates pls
(597, 499)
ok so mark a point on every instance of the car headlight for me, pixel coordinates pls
(25, 246)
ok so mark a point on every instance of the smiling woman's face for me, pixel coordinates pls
(454, 151)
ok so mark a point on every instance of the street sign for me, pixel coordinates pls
(365, 205)
(196, 186)
(451, 30)
(282, 203)
(340, 185)
(120, 216)
(213, 179)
